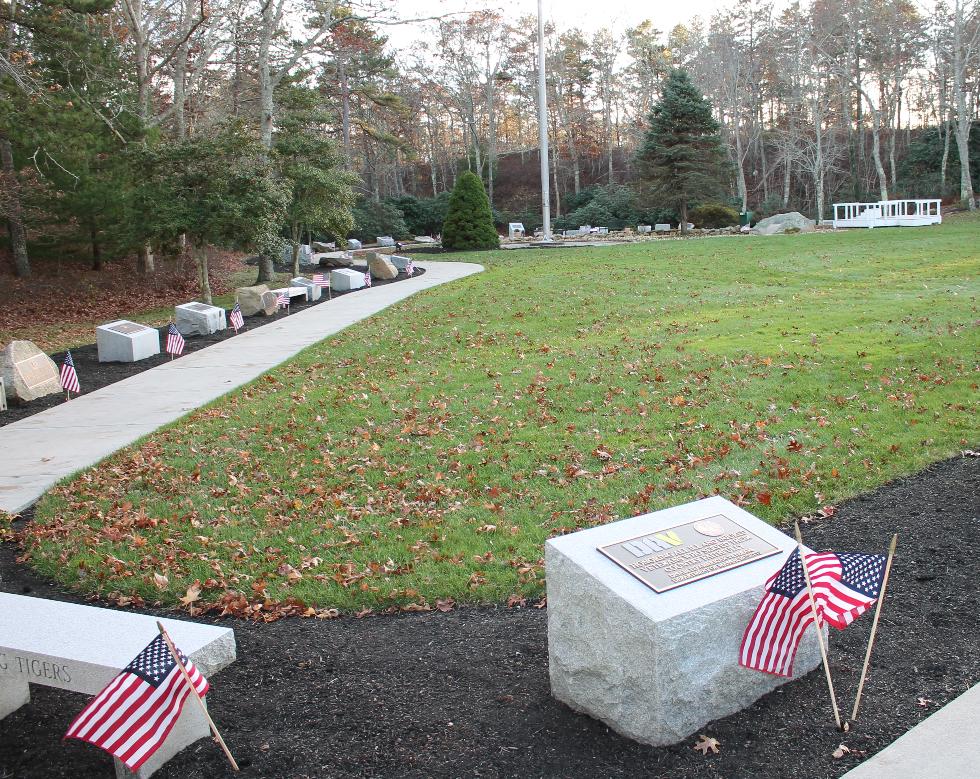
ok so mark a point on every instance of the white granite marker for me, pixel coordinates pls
(125, 341)
(199, 319)
(386, 240)
(343, 279)
(312, 290)
(82, 648)
(662, 228)
(657, 666)
(398, 261)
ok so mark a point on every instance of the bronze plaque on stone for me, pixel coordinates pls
(686, 553)
(199, 306)
(127, 328)
(35, 370)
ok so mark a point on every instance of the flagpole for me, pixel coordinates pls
(194, 692)
(874, 625)
(816, 621)
(543, 132)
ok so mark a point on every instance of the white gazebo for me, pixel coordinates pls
(888, 213)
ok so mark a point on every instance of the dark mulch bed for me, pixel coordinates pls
(93, 375)
(466, 693)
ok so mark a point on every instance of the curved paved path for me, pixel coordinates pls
(37, 452)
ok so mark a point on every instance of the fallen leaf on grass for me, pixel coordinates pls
(161, 581)
(445, 604)
(706, 744)
(193, 593)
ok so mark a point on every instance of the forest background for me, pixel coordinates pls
(103, 104)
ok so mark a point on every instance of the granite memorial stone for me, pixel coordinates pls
(398, 261)
(28, 373)
(344, 279)
(124, 341)
(646, 616)
(380, 268)
(312, 290)
(353, 244)
(662, 228)
(256, 300)
(386, 240)
(199, 319)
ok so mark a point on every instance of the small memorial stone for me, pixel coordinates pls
(515, 231)
(124, 341)
(386, 240)
(199, 319)
(353, 243)
(343, 279)
(644, 228)
(380, 268)
(662, 228)
(252, 300)
(28, 373)
(312, 290)
(646, 617)
(398, 261)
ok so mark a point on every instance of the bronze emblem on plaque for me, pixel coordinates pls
(128, 328)
(679, 555)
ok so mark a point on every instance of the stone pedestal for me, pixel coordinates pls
(124, 341)
(199, 319)
(658, 666)
(343, 279)
(311, 289)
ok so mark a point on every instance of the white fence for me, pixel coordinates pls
(887, 213)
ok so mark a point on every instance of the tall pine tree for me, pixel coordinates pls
(682, 158)
(469, 222)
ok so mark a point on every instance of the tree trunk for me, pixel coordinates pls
(876, 153)
(344, 107)
(201, 259)
(96, 248)
(964, 114)
(266, 85)
(683, 224)
(743, 192)
(15, 225)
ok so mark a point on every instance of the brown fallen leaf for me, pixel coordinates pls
(706, 744)
(445, 604)
(193, 593)
(923, 702)
(841, 750)
(161, 581)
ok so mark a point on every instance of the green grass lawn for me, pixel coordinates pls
(426, 454)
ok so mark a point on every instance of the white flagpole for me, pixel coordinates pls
(543, 130)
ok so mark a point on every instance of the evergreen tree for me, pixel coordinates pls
(469, 223)
(682, 158)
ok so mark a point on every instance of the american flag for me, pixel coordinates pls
(320, 280)
(410, 268)
(283, 299)
(133, 716)
(237, 320)
(69, 379)
(367, 278)
(175, 341)
(842, 592)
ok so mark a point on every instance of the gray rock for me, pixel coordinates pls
(380, 268)
(398, 261)
(794, 221)
(353, 243)
(430, 239)
(28, 373)
(319, 246)
(255, 300)
(657, 666)
(386, 240)
(336, 260)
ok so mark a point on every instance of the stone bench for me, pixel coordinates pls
(82, 648)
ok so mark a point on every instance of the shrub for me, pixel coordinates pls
(423, 216)
(469, 223)
(714, 215)
(372, 219)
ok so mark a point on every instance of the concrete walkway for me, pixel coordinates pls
(37, 452)
(942, 746)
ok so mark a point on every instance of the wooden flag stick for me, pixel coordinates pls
(816, 622)
(194, 692)
(874, 625)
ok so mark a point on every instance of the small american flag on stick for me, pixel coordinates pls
(175, 341)
(69, 379)
(283, 300)
(132, 717)
(410, 268)
(844, 587)
(322, 281)
(367, 278)
(237, 320)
